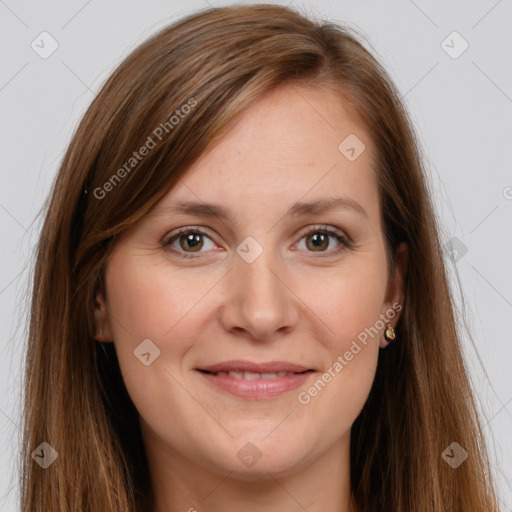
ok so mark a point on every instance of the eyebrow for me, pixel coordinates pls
(298, 209)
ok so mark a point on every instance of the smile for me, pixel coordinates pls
(252, 385)
(252, 375)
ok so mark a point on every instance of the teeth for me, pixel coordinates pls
(253, 375)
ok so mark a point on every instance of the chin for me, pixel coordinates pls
(264, 470)
(257, 454)
(255, 460)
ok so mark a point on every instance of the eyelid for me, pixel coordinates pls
(324, 227)
(183, 231)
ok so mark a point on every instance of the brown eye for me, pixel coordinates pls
(192, 241)
(318, 239)
(187, 241)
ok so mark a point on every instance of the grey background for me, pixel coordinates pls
(462, 108)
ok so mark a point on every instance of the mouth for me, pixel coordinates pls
(250, 380)
(237, 374)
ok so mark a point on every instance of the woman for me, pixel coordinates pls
(240, 300)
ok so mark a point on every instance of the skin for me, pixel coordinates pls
(295, 302)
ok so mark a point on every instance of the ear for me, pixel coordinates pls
(103, 332)
(395, 291)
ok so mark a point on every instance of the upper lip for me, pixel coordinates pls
(249, 366)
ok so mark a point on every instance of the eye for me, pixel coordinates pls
(191, 240)
(187, 238)
(318, 239)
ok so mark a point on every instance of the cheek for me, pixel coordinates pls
(340, 392)
(150, 300)
(353, 303)
(351, 309)
(147, 301)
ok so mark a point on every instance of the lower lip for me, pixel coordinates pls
(257, 388)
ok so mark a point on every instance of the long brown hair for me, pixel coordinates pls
(218, 62)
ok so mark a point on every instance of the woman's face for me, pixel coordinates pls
(275, 281)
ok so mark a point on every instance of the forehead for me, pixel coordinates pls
(293, 144)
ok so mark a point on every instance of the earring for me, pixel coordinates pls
(390, 333)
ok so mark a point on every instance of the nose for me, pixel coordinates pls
(258, 301)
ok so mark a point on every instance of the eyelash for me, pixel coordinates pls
(344, 241)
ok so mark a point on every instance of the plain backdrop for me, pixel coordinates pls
(457, 86)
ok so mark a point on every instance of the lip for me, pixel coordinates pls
(250, 366)
(257, 388)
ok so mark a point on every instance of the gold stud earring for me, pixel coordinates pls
(390, 333)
